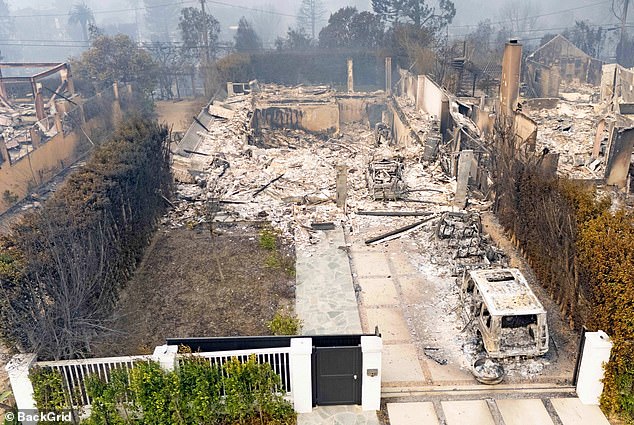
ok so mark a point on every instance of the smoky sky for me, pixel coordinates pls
(469, 12)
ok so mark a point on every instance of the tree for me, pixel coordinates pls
(192, 27)
(311, 14)
(295, 39)
(420, 13)
(6, 23)
(168, 60)
(586, 38)
(349, 28)
(519, 17)
(117, 58)
(160, 19)
(246, 38)
(266, 22)
(81, 14)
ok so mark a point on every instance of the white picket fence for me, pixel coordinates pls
(292, 364)
(75, 372)
(277, 358)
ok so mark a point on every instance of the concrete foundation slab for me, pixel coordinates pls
(522, 412)
(416, 413)
(472, 412)
(572, 412)
(400, 364)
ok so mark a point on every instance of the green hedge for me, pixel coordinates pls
(583, 253)
(195, 393)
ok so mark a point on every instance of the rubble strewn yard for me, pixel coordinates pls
(287, 176)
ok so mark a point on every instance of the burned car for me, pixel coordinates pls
(506, 313)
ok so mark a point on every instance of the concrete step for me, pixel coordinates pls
(476, 392)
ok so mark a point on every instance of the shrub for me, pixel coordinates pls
(195, 393)
(284, 323)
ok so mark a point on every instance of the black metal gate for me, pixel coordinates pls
(337, 375)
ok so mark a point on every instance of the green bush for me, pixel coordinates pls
(195, 393)
(284, 323)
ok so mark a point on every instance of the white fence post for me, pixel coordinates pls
(301, 374)
(596, 352)
(18, 370)
(371, 347)
(166, 355)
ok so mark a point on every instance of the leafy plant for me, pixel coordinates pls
(284, 323)
(268, 239)
(48, 390)
(197, 392)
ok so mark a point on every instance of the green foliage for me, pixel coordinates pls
(268, 239)
(583, 254)
(116, 58)
(192, 26)
(284, 323)
(347, 28)
(48, 390)
(246, 39)
(196, 393)
(606, 251)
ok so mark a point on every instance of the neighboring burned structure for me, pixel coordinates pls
(560, 61)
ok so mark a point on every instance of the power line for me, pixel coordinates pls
(177, 3)
(536, 16)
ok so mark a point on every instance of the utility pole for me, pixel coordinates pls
(620, 56)
(206, 58)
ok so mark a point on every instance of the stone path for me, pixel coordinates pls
(324, 297)
(338, 415)
(326, 303)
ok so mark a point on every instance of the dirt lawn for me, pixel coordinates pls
(178, 291)
(178, 113)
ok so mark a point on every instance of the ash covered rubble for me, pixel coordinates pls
(450, 246)
(288, 176)
(569, 129)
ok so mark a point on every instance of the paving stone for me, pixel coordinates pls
(572, 412)
(524, 412)
(416, 413)
(411, 287)
(449, 372)
(378, 291)
(467, 412)
(391, 323)
(338, 415)
(324, 297)
(400, 364)
(371, 264)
